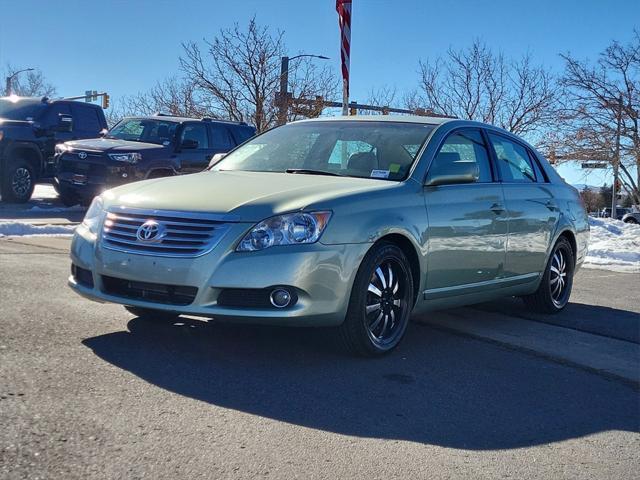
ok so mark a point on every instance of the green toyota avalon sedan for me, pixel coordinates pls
(349, 222)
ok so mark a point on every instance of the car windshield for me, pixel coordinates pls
(146, 130)
(20, 108)
(367, 149)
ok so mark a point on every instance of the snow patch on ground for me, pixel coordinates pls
(10, 228)
(44, 191)
(614, 245)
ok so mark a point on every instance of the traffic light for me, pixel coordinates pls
(105, 100)
(353, 111)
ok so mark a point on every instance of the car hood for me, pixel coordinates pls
(239, 196)
(111, 145)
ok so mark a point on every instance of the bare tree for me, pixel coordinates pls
(385, 96)
(597, 96)
(238, 73)
(478, 84)
(29, 84)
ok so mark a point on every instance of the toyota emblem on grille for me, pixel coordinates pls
(150, 232)
(82, 155)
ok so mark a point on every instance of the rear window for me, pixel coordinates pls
(85, 119)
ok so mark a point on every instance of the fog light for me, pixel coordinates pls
(280, 298)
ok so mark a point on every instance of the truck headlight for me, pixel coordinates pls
(94, 214)
(61, 148)
(133, 157)
(290, 229)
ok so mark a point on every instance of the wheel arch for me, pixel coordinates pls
(29, 153)
(409, 249)
(156, 172)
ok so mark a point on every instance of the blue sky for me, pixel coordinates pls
(125, 47)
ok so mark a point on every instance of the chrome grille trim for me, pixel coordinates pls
(187, 234)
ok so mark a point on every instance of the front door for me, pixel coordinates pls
(195, 151)
(467, 222)
(531, 207)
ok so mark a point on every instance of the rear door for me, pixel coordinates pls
(221, 138)
(467, 222)
(531, 207)
(197, 158)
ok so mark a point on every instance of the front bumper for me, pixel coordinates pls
(90, 177)
(322, 276)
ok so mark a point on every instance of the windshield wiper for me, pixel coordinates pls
(310, 171)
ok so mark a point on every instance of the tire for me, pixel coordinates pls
(18, 182)
(151, 313)
(631, 220)
(555, 287)
(380, 303)
(68, 199)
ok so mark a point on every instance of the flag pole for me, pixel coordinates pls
(343, 7)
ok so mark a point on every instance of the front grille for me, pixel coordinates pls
(151, 292)
(181, 234)
(84, 168)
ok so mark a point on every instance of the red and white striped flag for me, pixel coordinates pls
(344, 17)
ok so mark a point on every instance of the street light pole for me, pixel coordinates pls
(283, 94)
(616, 163)
(10, 78)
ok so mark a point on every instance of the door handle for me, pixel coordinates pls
(497, 208)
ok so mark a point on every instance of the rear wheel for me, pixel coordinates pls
(555, 287)
(152, 313)
(18, 182)
(380, 304)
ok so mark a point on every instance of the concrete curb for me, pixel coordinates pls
(616, 359)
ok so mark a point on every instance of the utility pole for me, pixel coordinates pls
(616, 162)
(9, 80)
(282, 97)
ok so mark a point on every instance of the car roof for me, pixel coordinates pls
(172, 118)
(382, 118)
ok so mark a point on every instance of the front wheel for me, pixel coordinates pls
(18, 182)
(555, 287)
(380, 304)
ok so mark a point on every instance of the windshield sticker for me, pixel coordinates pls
(394, 167)
(379, 173)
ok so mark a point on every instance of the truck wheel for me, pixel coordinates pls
(17, 182)
(68, 199)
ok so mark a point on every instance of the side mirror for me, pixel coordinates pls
(188, 144)
(216, 158)
(103, 132)
(452, 173)
(65, 123)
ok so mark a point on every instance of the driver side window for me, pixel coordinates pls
(196, 132)
(464, 146)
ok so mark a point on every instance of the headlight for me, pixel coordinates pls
(93, 215)
(291, 229)
(61, 148)
(126, 157)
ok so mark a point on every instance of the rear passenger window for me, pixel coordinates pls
(85, 119)
(221, 138)
(53, 114)
(513, 160)
(465, 146)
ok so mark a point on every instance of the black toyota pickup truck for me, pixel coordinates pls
(139, 148)
(30, 128)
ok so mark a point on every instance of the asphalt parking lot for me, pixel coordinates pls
(89, 391)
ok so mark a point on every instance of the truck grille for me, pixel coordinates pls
(170, 234)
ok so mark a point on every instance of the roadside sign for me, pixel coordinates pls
(90, 95)
(597, 165)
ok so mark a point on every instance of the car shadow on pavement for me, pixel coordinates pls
(436, 388)
(596, 319)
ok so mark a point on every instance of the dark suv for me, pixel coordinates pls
(141, 148)
(29, 130)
